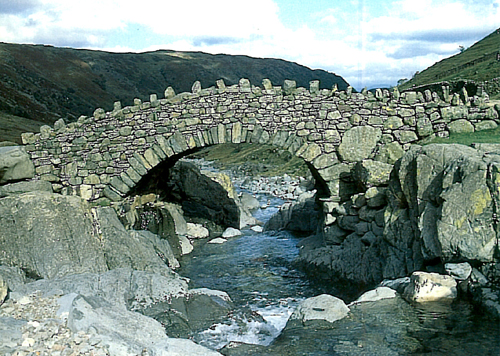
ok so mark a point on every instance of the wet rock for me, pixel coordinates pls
(376, 294)
(217, 240)
(315, 310)
(15, 164)
(348, 336)
(186, 245)
(197, 311)
(429, 287)
(231, 232)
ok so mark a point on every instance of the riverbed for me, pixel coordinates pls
(258, 272)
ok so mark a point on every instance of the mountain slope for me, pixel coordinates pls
(45, 83)
(478, 63)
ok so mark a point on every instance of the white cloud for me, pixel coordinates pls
(363, 47)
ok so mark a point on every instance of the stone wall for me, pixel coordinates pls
(105, 156)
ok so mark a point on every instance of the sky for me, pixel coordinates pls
(368, 42)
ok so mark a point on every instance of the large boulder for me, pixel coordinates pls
(439, 206)
(201, 196)
(25, 187)
(15, 164)
(446, 191)
(126, 287)
(49, 235)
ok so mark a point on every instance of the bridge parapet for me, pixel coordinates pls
(108, 154)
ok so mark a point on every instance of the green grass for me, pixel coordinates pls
(264, 160)
(486, 136)
(481, 71)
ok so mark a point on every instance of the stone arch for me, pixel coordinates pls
(167, 151)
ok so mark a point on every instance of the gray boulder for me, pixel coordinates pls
(429, 287)
(49, 235)
(15, 164)
(249, 201)
(201, 196)
(446, 190)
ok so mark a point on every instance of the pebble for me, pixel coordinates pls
(45, 333)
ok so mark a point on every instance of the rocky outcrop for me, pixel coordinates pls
(439, 207)
(50, 235)
(104, 312)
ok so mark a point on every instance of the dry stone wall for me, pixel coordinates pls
(105, 156)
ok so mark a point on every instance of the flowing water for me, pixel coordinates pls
(257, 271)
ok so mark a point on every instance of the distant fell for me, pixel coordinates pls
(45, 83)
(480, 62)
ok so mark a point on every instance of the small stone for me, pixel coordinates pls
(231, 232)
(24, 300)
(28, 342)
(257, 228)
(197, 231)
(217, 240)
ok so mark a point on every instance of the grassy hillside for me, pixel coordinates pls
(478, 63)
(44, 83)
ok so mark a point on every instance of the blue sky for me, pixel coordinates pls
(367, 42)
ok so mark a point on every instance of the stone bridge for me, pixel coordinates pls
(107, 155)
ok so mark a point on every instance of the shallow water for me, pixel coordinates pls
(256, 270)
(258, 273)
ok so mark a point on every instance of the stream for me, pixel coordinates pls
(257, 271)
